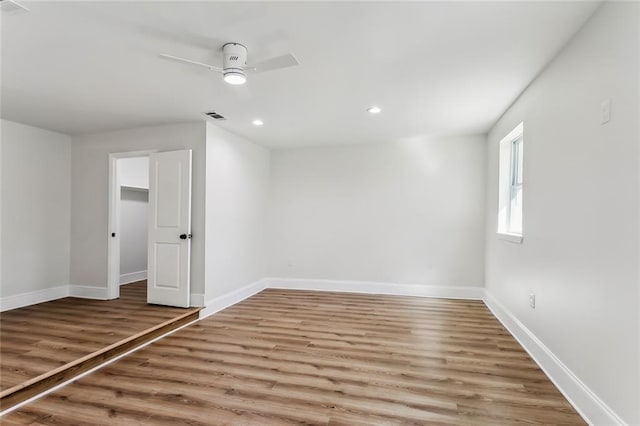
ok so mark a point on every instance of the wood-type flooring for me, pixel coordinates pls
(300, 357)
(44, 344)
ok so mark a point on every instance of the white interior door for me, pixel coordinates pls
(169, 228)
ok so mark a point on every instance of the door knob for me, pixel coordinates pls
(185, 236)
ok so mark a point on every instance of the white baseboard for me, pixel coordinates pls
(86, 292)
(583, 399)
(33, 297)
(221, 302)
(196, 299)
(448, 292)
(132, 277)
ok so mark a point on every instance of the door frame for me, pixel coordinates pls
(113, 223)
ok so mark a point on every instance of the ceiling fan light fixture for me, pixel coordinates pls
(235, 78)
(234, 63)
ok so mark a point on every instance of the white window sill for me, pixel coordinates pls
(512, 238)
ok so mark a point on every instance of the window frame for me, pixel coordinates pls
(510, 182)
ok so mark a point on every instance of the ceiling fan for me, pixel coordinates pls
(234, 67)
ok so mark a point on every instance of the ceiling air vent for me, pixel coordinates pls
(11, 6)
(214, 115)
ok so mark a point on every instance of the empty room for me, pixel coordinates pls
(317, 212)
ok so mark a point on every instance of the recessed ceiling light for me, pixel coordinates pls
(374, 109)
(258, 122)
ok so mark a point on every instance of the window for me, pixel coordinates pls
(510, 186)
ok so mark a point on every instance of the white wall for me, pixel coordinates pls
(89, 204)
(36, 184)
(404, 212)
(581, 209)
(134, 172)
(237, 189)
(134, 208)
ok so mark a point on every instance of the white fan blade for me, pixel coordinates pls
(12, 6)
(278, 62)
(189, 61)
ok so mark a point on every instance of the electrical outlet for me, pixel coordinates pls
(532, 301)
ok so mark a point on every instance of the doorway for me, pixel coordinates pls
(128, 219)
(155, 185)
(133, 176)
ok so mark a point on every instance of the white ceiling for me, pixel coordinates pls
(434, 67)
